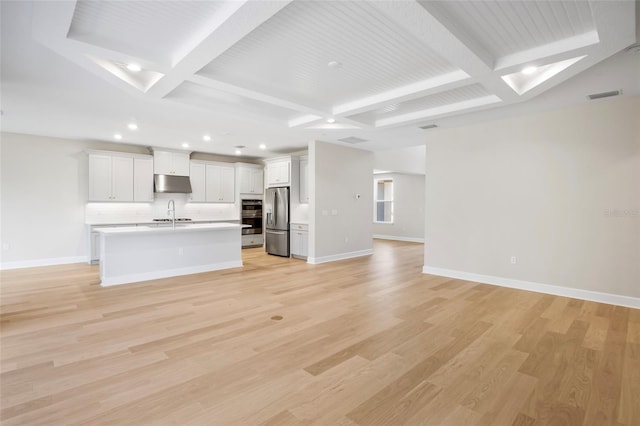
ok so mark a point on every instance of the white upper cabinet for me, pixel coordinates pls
(110, 177)
(143, 178)
(220, 183)
(278, 172)
(250, 179)
(120, 176)
(171, 163)
(304, 180)
(197, 176)
(212, 182)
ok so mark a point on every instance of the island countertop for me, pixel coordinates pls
(168, 228)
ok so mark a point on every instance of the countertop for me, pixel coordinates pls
(164, 229)
(151, 222)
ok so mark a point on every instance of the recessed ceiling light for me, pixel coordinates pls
(331, 120)
(185, 145)
(134, 67)
(529, 70)
(132, 126)
(238, 152)
(262, 146)
(334, 64)
(206, 138)
(117, 136)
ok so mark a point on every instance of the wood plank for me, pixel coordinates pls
(363, 341)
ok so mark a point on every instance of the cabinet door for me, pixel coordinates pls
(162, 162)
(299, 243)
(122, 178)
(304, 244)
(213, 186)
(304, 182)
(244, 180)
(228, 187)
(143, 179)
(100, 178)
(257, 181)
(197, 176)
(278, 173)
(180, 163)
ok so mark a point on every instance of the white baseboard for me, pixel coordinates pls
(576, 293)
(167, 273)
(43, 262)
(340, 256)
(395, 238)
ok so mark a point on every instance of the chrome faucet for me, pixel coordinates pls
(172, 211)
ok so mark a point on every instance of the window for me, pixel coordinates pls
(383, 201)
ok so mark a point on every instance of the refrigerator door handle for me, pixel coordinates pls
(275, 204)
(269, 231)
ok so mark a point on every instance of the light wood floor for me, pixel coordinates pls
(364, 341)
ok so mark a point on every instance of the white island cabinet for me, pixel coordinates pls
(141, 253)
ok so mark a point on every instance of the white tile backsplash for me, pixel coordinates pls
(112, 213)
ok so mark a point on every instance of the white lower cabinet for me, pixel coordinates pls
(252, 240)
(299, 240)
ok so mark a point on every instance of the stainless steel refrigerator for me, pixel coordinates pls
(276, 215)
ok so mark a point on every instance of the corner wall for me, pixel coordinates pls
(340, 225)
(559, 190)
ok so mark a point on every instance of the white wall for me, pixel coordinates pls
(404, 160)
(408, 209)
(340, 226)
(43, 190)
(543, 188)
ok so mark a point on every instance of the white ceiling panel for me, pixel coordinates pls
(155, 31)
(507, 27)
(288, 55)
(439, 99)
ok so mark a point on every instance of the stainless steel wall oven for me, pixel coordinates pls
(252, 216)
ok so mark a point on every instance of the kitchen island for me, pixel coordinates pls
(141, 253)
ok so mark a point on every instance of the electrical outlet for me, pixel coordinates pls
(6, 246)
(346, 240)
(514, 260)
(180, 251)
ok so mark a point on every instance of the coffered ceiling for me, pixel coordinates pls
(285, 72)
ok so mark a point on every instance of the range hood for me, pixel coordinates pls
(171, 183)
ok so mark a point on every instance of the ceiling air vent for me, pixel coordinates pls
(352, 140)
(604, 94)
(429, 126)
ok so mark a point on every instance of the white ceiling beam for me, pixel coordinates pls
(417, 116)
(420, 89)
(257, 96)
(547, 53)
(420, 20)
(232, 25)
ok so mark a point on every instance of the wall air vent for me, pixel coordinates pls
(352, 140)
(604, 94)
(429, 126)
